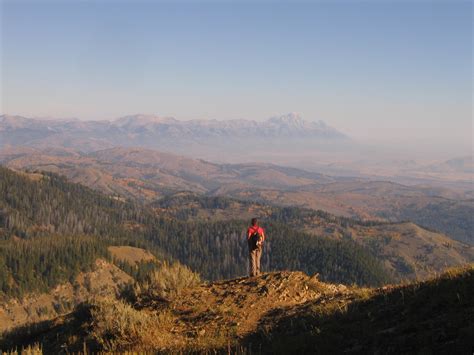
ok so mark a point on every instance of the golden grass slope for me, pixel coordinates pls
(130, 254)
(280, 312)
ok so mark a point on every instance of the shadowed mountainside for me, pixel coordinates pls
(429, 317)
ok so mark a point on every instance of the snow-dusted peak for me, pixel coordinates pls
(151, 130)
(293, 118)
(142, 120)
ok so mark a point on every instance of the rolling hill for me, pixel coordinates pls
(55, 235)
(205, 232)
(68, 226)
(61, 243)
(287, 140)
(147, 175)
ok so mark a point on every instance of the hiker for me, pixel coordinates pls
(255, 238)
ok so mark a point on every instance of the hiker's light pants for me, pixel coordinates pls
(254, 261)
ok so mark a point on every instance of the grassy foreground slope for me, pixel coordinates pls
(281, 312)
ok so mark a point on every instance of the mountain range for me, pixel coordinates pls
(159, 132)
(287, 140)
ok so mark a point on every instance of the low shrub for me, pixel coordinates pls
(116, 326)
(163, 284)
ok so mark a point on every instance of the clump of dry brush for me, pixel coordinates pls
(163, 284)
(120, 324)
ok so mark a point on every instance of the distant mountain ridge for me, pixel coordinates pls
(156, 131)
(290, 125)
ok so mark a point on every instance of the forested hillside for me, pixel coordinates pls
(147, 175)
(47, 210)
(408, 250)
(41, 263)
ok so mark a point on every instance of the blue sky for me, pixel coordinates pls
(397, 71)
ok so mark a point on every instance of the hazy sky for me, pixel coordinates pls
(395, 71)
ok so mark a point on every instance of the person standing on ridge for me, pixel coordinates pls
(255, 238)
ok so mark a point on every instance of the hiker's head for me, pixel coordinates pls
(254, 222)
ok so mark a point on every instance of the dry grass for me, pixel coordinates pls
(35, 349)
(170, 280)
(284, 312)
(130, 254)
(166, 283)
(433, 316)
(116, 326)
